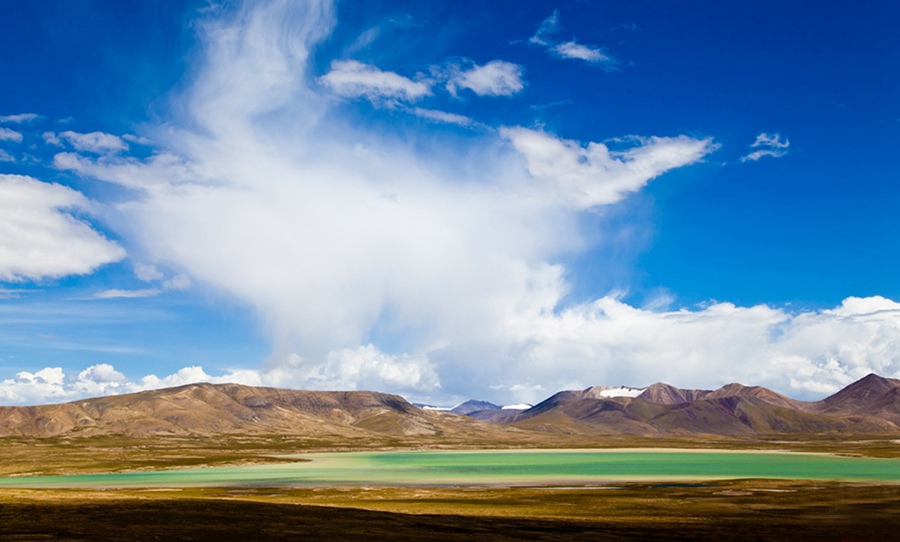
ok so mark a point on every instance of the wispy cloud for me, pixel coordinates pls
(178, 282)
(126, 294)
(354, 79)
(547, 30)
(593, 175)
(147, 272)
(259, 187)
(136, 139)
(557, 103)
(10, 135)
(548, 36)
(496, 78)
(254, 189)
(51, 138)
(767, 145)
(6, 157)
(94, 142)
(18, 119)
(8, 293)
(594, 55)
(444, 117)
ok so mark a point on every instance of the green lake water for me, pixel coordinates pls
(531, 467)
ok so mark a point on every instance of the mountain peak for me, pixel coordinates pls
(739, 390)
(473, 405)
(862, 391)
(666, 394)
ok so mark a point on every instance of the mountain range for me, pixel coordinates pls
(870, 405)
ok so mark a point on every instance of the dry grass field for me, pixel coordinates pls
(735, 510)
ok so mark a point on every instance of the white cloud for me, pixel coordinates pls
(571, 49)
(39, 238)
(806, 355)
(136, 139)
(46, 385)
(6, 157)
(547, 36)
(9, 293)
(291, 216)
(595, 175)
(444, 117)
(158, 172)
(363, 368)
(546, 30)
(147, 272)
(52, 384)
(767, 145)
(394, 264)
(178, 282)
(342, 238)
(496, 78)
(52, 139)
(773, 141)
(186, 375)
(354, 79)
(126, 294)
(19, 119)
(94, 142)
(10, 135)
(98, 380)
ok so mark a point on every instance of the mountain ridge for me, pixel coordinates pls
(870, 405)
(205, 409)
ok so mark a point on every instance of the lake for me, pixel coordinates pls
(494, 467)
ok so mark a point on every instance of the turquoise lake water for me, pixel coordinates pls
(532, 467)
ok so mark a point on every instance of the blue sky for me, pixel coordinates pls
(447, 199)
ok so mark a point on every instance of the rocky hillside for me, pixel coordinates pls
(868, 406)
(210, 409)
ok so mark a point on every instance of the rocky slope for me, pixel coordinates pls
(214, 409)
(868, 406)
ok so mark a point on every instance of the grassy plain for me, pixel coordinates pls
(734, 510)
(726, 510)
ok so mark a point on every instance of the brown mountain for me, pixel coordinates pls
(869, 406)
(471, 406)
(581, 412)
(858, 397)
(664, 394)
(212, 409)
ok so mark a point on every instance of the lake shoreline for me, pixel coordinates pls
(497, 468)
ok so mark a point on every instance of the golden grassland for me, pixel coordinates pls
(730, 510)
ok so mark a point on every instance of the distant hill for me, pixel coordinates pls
(471, 406)
(213, 409)
(868, 406)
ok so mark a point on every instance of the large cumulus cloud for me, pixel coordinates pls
(428, 269)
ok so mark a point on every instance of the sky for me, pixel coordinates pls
(447, 200)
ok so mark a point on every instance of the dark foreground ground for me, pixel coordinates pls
(737, 510)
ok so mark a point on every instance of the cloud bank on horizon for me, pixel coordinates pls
(374, 257)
